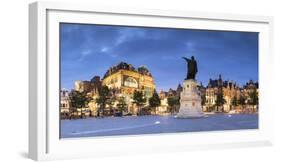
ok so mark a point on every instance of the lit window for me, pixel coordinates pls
(131, 82)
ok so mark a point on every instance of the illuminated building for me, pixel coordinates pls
(64, 102)
(125, 79)
(230, 90)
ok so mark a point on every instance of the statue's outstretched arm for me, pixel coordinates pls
(186, 59)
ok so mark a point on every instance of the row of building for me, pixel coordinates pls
(124, 79)
(230, 90)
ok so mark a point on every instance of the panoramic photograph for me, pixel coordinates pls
(127, 80)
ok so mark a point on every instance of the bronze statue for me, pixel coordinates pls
(191, 68)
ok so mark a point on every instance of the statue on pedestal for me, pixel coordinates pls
(191, 68)
(190, 98)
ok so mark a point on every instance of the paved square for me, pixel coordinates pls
(135, 125)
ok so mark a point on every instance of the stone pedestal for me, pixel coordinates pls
(190, 101)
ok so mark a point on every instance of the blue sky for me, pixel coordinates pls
(89, 50)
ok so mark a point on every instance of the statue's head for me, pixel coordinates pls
(192, 57)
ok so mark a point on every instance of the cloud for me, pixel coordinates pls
(84, 54)
(97, 47)
(127, 34)
(104, 49)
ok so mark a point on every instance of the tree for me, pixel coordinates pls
(110, 101)
(139, 99)
(254, 98)
(173, 101)
(122, 105)
(242, 101)
(234, 101)
(220, 99)
(154, 101)
(102, 99)
(79, 100)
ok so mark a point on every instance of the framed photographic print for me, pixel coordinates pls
(110, 81)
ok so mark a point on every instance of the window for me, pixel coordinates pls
(147, 92)
(130, 82)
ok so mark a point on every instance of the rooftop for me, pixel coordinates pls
(125, 66)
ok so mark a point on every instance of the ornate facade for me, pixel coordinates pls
(64, 102)
(88, 86)
(125, 79)
(164, 106)
(230, 90)
(246, 91)
(122, 79)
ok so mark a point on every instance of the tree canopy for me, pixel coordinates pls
(102, 100)
(122, 105)
(254, 98)
(78, 99)
(139, 99)
(154, 101)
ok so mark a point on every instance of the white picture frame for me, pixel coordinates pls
(44, 141)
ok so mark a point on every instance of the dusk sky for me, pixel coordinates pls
(89, 50)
